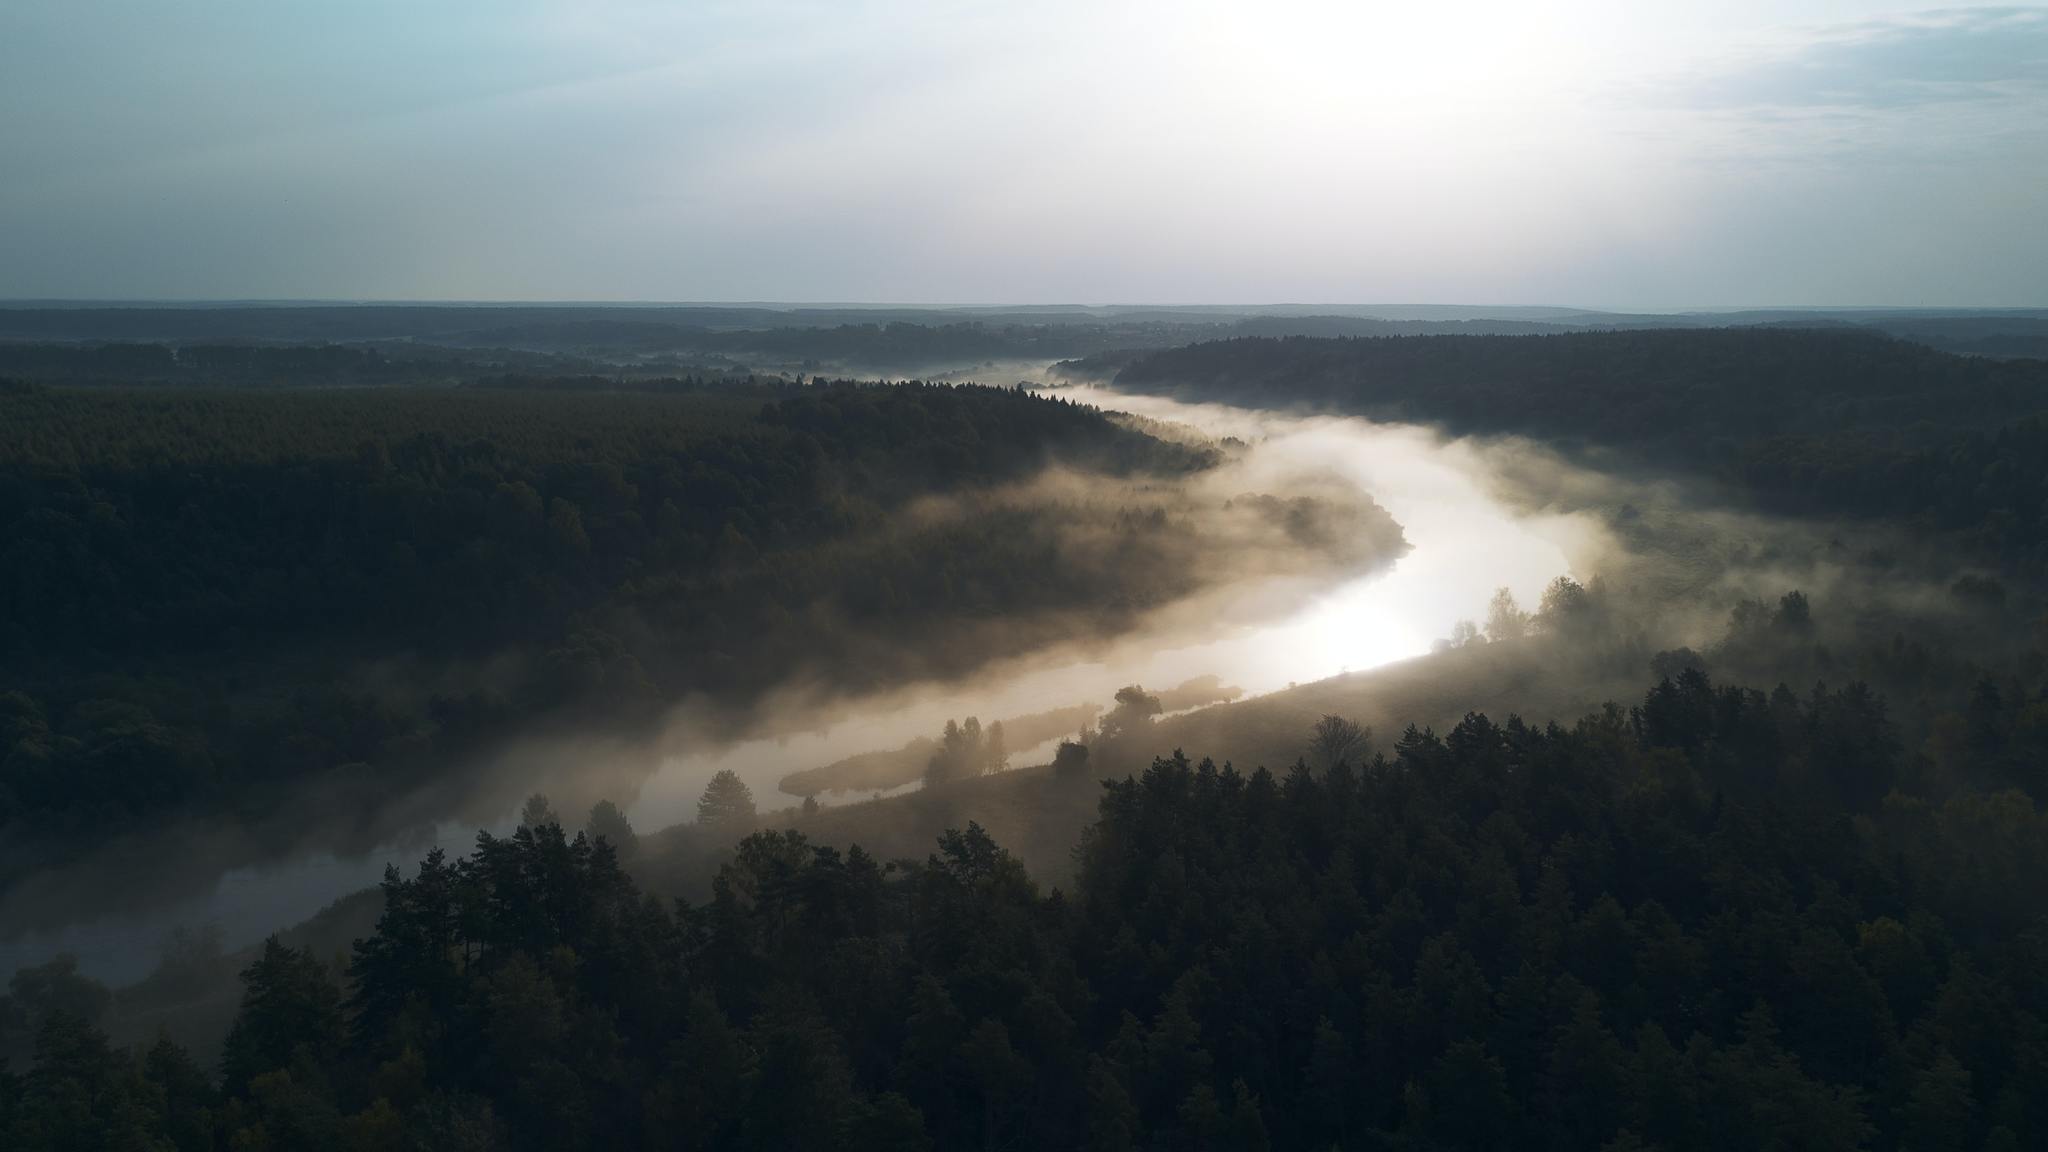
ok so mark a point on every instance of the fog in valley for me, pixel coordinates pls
(1276, 586)
(1259, 633)
(1476, 516)
(902, 577)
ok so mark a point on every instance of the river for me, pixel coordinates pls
(1465, 542)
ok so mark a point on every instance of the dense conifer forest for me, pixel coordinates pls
(1719, 918)
(193, 582)
(642, 576)
(1791, 903)
(1816, 422)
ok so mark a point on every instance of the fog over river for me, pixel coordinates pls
(1465, 539)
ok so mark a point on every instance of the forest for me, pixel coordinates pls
(210, 596)
(1825, 422)
(1784, 894)
(894, 767)
(643, 577)
(384, 345)
(1721, 917)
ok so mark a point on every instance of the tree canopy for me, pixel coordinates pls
(207, 596)
(727, 801)
(1720, 918)
(1817, 421)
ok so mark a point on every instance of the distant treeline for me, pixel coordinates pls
(2003, 337)
(895, 767)
(881, 336)
(1821, 422)
(270, 365)
(568, 343)
(193, 583)
(1723, 918)
(890, 340)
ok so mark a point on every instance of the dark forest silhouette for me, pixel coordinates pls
(1720, 918)
(191, 577)
(1788, 895)
(1815, 422)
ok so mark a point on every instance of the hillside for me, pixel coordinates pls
(1811, 422)
(210, 595)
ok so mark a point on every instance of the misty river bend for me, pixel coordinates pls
(1260, 636)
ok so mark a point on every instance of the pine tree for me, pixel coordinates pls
(727, 801)
(610, 825)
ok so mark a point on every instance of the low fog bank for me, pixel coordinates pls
(1524, 585)
(1536, 587)
(1267, 615)
(1222, 550)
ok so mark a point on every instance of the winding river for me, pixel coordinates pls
(1465, 542)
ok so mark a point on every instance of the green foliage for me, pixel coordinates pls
(1505, 620)
(1071, 759)
(966, 750)
(1816, 422)
(1133, 713)
(291, 1015)
(1722, 918)
(726, 802)
(537, 811)
(207, 596)
(1336, 740)
(610, 825)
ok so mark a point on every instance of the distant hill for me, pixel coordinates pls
(1837, 421)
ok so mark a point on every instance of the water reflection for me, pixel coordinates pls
(1261, 637)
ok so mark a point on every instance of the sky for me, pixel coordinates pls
(1625, 155)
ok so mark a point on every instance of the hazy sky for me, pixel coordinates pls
(1628, 154)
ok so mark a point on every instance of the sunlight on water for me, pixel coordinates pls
(1260, 637)
(1465, 544)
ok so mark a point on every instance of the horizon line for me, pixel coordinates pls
(65, 303)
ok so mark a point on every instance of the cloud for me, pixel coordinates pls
(1936, 93)
(925, 150)
(1964, 55)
